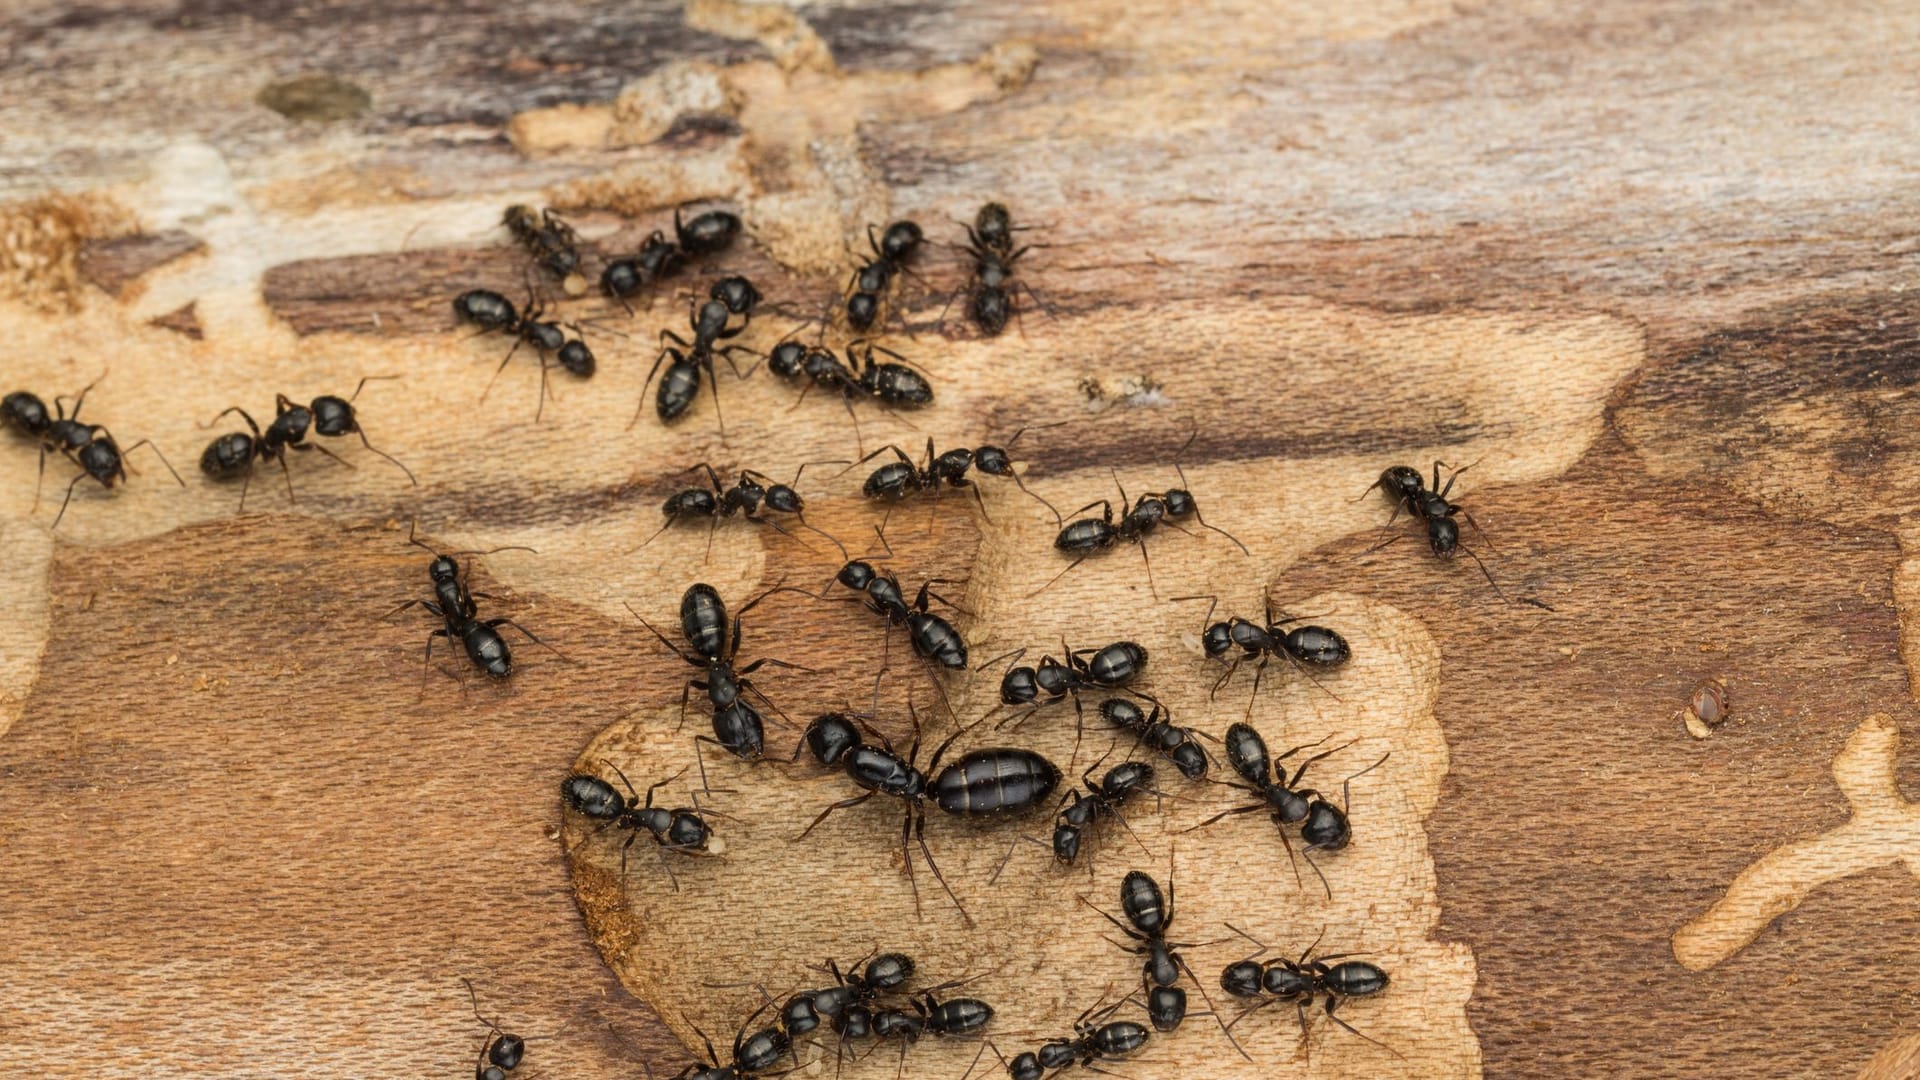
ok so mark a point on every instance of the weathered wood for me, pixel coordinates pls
(1644, 268)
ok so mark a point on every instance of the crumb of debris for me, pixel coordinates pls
(40, 242)
(1009, 64)
(1707, 708)
(648, 108)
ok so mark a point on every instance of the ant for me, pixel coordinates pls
(1094, 1039)
(711, 322)
(1176, 743)
(1409, 491)
(737, 727)
(549, 241)
(1141, 516)
(751, 1054)
(1305, 647)
(1301, 981)
(897, 385)
(745, 498)
(932, 636)
(980, 783)
(706, 234)
(491, 311)
(896, 480)
(1151, 917)
(954, 1018)
(990, 242)
(680, 829)
(90, 446)
(1109, 667)
(236, 453)
(455, 605)
(1323, 826)
(891, 252)
(1079, 812)
(502, 1051)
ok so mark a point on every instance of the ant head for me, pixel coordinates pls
(737, 293)
(229, 455)
(993, 225)
(333, 416)
(1217, 639)
(1401, 482)
(784, 499)
(1120, 712)
(1180, 504)
(442, 569)
(1019, 686)
(521, 218)
(622, 278)
(686, 829)
(1243, 978)
(862, 309)
(1443, 536)
(101, 459)
(786, 359)
(993, 460)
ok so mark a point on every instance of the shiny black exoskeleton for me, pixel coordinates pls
(954, 1018)
(1080, 812)
(1409, 492)
(1308, 647)
(486, 309)
(1108, 667)
(896, 385)
(1301, 982)
(707, 234)
(891, 251)
(828, 738)
(932, 636)
(491, 311)
(1178, 744)
(896, 480)
(1093, 1041)
(752, 1054)
(680, 829)
(455, 605)
(90, 446)
(991, 292)
(502, 1051)
(711, 322)
(1085, 537)
(746, 498)
(548, 240)
(1323, 826)
(716, 640)
(1149, 920)
(235, 454)
(658, 257)
(980, 783)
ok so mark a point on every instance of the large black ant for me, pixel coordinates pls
(1149, 920)
(236, 453)
(890, 254)
(1178, 744)
(1139, 517)
(737, 727)
(1095, 1039)
(931, 635)
(1323, 826)
(90, 446)
(491, 311)
(860, 375)
(707, 234)
(981, 783)
(990, 242)
(548, 239)
(1409, 492)
(711, 323)
(1109, 667)
(502, 1051)
(896, 480)
(455, 605)
(1078, 813)
(1301, 981)
(752, 1054)
(1308, 647)
(680, 829)
(745, 497)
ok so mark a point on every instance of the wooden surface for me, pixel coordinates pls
(1646, 266)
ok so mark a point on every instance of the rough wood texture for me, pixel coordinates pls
(1644, 266)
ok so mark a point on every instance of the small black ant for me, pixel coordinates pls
(549, 241)
(990, 242)
(1151, 917)
(1307, 647)
(980, 783)
(737, 727)
(954, 1018)
(492, 312)
(1109, 667)
(896, 480)
(1323, 826)
(707, 234)
(1301, 981)
(897, 385)
(932, 636)
(455, 605)
(1095, 1039)
(658, 258)
(680, 829)
(1086, 536)
(1178, 744)
(1409, 492)
(752, 1054)
(711, 322)
(90, 446)
(236, 453)
(891, 252)
(502, 1051)
(746, 497)
(1078, 812)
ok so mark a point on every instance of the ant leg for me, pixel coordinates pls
(286, 474)
(841, 805)
(1249, 809)
(68, 499)
(651, 372)
(304, 447)
(1476, 530)
(920, 835)
(148, 443)
(1307, 854)
(415, 481)
(496, 373)
(1394, 539)
(503, 621)
(1489, 574)
(1333, 1002)
(426, 662)
(1057, 576)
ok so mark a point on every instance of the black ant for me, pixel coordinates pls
(1323, 826)
(1151, 917)
(491, 311)
(90, 446)
(707, 234)
(236, 453)
(680, 829)
(503, 1051)
(549, 241)
(752, 1054)
(990, 242)
(954, 1018)
(1078, 812)
(1301, 981)
(1095, 1039)
(746, 497)
(896, 480)
(711, 322)
(1178, 744)
(897, 385)
(1139, 517)
(1307, 647)
(891, 252)
(1109, 667)
(1409, 491)
(980, 783)
(931, 635)
(455, 605)
(737, 728)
